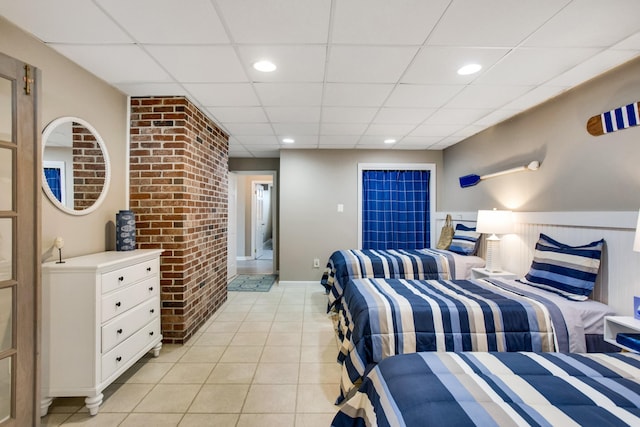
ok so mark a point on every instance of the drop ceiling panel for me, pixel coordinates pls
(422, 96)
(585, 18)
(348, 71)
(600, 63)
(296, 128)
(249, 128)
(458, 116)
(474, 23)
(57, 21)
(382, 22)
(277, 21)
(337, 141)
(293, 114)
(132, 64)
(299, 63)
(152, 89)
(355, 95)
(300, 140)
(223, 94)
(435, 130)
(348, 115)
(369, 64)
(289, 94)
(389, 130)
(167, 21)
(239, 114)
(342, 128)
(489, 97)
(199, 64)
(403, 115)
(439, 65)
(533, 66)
(258, 140)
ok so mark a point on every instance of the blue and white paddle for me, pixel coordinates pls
(613, 120)
(471, 180)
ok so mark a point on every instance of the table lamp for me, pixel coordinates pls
(494, 222)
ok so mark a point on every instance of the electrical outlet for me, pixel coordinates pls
(316, 263)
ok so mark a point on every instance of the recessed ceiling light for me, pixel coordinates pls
(469, 69)
(264, 66)
(390, 141)
(288, 140)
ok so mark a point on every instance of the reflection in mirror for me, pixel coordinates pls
(76, 166)
(6, 118)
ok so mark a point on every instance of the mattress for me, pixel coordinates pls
(384, 317)
(345, 265)
(498, 389)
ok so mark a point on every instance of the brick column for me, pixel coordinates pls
(179, 167)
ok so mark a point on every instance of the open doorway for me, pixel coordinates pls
(262, 218)
(256, 233)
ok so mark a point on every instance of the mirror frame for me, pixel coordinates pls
(107, 176)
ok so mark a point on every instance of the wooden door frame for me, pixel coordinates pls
(27, 232)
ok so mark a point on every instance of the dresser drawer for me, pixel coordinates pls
(128, 275)
(120, 301)
(122, 327)
(123, 353)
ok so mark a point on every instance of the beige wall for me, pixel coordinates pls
(312, 184)
(579, 172)
(68, 90)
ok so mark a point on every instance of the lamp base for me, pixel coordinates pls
(493, 254)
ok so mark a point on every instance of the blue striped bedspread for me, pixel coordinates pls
(383, 317)
(348, 264)
(498, 389)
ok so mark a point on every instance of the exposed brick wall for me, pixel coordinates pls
(88, 168)
(178, 182)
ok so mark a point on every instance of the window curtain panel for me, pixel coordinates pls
(53, 179)
(395, 207)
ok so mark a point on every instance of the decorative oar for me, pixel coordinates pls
(617, 119)
(471, 180)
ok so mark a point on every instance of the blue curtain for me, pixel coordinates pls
(395, 209)
(53, 179)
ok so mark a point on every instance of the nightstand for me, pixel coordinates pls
(613, 325)
(483, 273)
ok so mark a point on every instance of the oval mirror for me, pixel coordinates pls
(75, 165)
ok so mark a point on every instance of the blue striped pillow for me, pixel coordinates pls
(570, 271)
(465, 240)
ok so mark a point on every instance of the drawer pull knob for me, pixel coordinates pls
(118, 359)
(153, 310)
(118, 304)
(148, 268)
(150, 288)
(151, 333)
(119, 331)
(121, 278)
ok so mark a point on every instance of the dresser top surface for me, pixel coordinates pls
(102, 260)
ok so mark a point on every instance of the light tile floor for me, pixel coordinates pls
(263, 359)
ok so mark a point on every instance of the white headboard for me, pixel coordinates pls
(619, 277)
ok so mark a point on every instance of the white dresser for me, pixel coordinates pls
(100, 314)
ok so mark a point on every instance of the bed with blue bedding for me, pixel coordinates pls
(344, 265)
(383, 317)
(498, 389)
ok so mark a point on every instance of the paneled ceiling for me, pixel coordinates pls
(350, 73)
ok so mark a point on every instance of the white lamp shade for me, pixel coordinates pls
(636, 241)
(494, 222)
